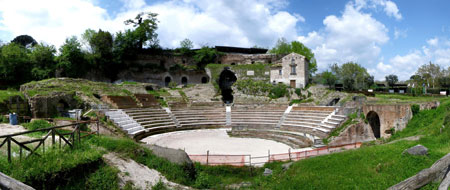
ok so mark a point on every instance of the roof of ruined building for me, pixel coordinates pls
(229, 49)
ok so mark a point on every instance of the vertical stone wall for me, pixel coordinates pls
(391, 116)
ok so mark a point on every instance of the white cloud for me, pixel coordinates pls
(391, 10)
(354, 36)
(406, 65)
(221, 22)
(398, 33)
(389, 7)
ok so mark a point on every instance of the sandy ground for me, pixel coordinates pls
(217, 141)
(6, 129)
(141, 176)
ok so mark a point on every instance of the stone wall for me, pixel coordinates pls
(242, 59)
(148, 76)
(359, 132)
(391, 116)
(47, 106)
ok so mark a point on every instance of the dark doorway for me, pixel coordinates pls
(148, 88)
(184, 81)
(204, 80)
(374, 122)
(226, 80)
(62, 107)
(293, 83)
(167, 81)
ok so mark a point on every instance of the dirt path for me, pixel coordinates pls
(140, 175)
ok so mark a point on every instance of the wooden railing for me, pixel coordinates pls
(70, 138)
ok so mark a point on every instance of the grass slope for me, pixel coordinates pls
(370, 167)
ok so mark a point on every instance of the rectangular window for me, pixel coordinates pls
(293, 71)
(280, 72)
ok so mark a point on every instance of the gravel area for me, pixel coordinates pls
(217, 141)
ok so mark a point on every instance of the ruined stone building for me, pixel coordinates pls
(292, 70)
(167, 66)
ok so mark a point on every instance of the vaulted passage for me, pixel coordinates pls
(167, 81)
(374, 122)
(226, 80)
(184, 81)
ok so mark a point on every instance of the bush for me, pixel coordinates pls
(172, 84)
(278, 91)
(252, 87)
(298, 91)
(37, 124)
(415, 109)
(3, 119)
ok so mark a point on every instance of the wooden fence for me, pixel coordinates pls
(70, 138)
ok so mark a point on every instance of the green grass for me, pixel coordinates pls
(53, 167)
(69, 85)
(160, 94)
(5, 94)
(399, 98)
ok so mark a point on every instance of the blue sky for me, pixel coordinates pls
(385, 36)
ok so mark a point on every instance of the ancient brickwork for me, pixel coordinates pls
(391, 116)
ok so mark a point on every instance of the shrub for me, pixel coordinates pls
(415, 109)
(3, 119)
(37, 124)
(172, 84)
(278, 91)
(298, 91)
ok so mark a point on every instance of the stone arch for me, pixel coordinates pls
(167, 80)
(374, 121)
(184, 80)
(226, 79)
(205, 80)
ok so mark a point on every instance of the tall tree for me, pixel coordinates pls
(391, 80)
(185, 46)
(43, 61)
(283, 47)
(329, 77)
(204, 56)
(24, 40)
(145, 29)
(86, 38)
(430, 72)
(14, 63)
(72, 60)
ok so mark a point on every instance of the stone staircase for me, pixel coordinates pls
(125, 122)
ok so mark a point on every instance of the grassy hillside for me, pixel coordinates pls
(370, 167)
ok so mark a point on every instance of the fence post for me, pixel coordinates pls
(290, 154)
(53, 137)
(43, 146)
(98, 127)
(20, 153)
(79, 134)
(268, 156)
(207, 157)
(8, 143)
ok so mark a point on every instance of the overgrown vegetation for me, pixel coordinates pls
(160, 94)
(6, 94)
(352, 119)
(36, 124)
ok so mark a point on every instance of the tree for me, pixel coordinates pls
(204, 56)
(14, 63)
(186, 44)
(43, 61)
(353, 75)
(86, 38)
(370, 81)
(72, 61)
(283, 47)
(391, 80)
(329, 77)
(24, 40)
(429, 73)
(145, 29)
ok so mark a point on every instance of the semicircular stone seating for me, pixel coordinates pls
(295, 126)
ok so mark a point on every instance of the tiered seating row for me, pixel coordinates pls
(152, 118)
(197, 116)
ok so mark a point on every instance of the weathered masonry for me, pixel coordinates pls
(385, 118)
(292, 71)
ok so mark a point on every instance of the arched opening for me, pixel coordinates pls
(233, 63)
(62, 107)
(184, 81)
(226, 80)
(148, 88)
(204, 80)
(374, 122)
(167, 80)
(97, 96)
